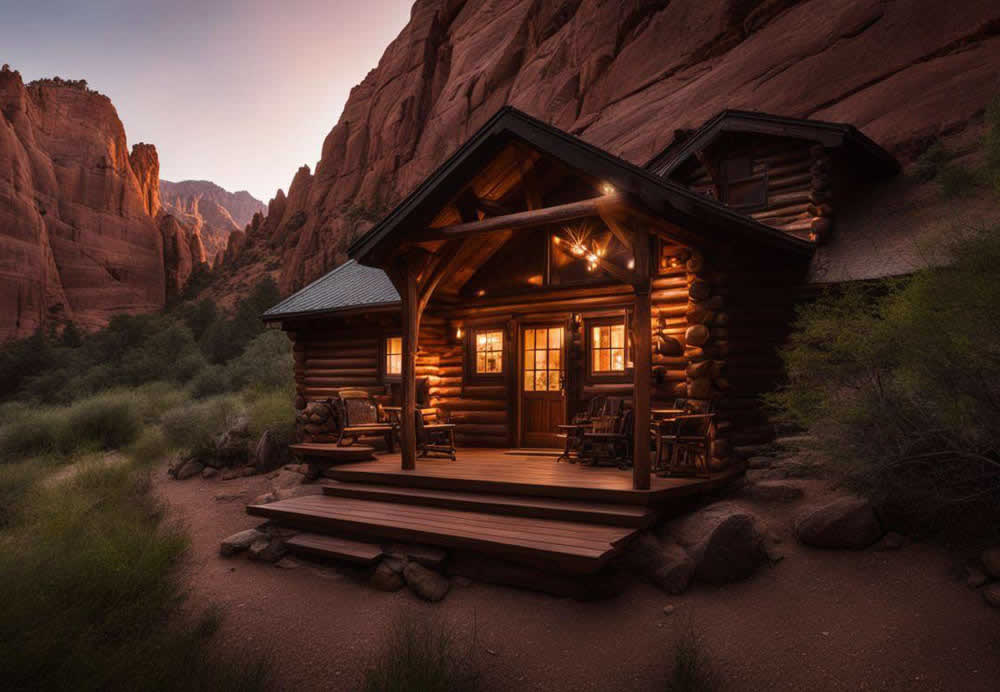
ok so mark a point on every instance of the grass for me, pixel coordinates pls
(692, 669)
(421, 656)
(193, 426)
(90, 591)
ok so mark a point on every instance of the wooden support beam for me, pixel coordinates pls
(642, 364)
(525, 219)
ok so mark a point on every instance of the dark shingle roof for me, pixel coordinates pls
(349, 286)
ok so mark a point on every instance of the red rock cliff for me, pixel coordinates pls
(76, 237)
(210, 210)
(623, 75)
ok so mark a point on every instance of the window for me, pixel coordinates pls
(744, 188)
(394, 356)
(607, 349)
(543, 359)
(489, 352)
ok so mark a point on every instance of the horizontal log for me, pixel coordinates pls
(496, 417)
(461, 404)
(340, 381)
(341, 372)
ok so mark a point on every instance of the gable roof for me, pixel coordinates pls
(878, 161)
(348, 287)
(663, 197)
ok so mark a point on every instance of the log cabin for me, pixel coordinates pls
(532, 272)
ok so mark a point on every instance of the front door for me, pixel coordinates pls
(543, 402)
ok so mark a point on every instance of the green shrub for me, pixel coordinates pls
(194, 426)
(265, 364)
(16, 479)
(32, 433)
(957, 181)
(692, 670)
(156, 398)
(899, 383)
(150, 446)
(91, 595)
(421, 656)
(211, 381)
(108, 421)
(273, 411)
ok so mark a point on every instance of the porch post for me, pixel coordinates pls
(411, 328)
(642, 363)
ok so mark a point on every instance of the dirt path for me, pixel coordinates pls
(818, 620)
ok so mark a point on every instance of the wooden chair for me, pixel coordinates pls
(435, 438)
(662, 429)
(610, 440)
(572, 433)
(690, 439)
(361, 417)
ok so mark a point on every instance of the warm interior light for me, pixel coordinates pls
(458, 333)
(631, 263)
(481, 292)
(555, 239)
(608, 189)
(577, 250)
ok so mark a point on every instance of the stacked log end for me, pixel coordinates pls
(820, 195)
(706, 347)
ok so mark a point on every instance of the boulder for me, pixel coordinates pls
(991, 561)
(230, 474)
(724, 541)
(232, 446)
(891, 541)
(239, 542)
(387, 578)
(991, 594)
(267, 549)
(269, 453)
(847, 522)
(208, 472)
(773, 491)
(426, 555)
(192, 467)
(668, 565)
(427, 584)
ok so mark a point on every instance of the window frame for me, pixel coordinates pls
(472, 376)
(383, 359)
(563, 356)
(611, 376)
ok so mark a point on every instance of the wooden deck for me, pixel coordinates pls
(500, 471)
(524, 508)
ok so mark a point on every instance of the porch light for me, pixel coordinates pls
(631, 263)
(458, 333)
(481, 292)
(578, 250)
(608, 189)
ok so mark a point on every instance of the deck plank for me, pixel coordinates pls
(571, 546)
(334, 547)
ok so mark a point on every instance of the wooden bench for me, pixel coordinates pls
(361, 418)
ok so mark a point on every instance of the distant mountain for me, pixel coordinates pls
(210, 210)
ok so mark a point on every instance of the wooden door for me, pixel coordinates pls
(543, 400)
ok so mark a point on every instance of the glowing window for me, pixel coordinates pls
(607, 349)
(489, 353)
(394, 355)
(543, 359)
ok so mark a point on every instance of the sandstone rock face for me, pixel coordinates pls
(623, 76)
(209, 211)
(76, 237)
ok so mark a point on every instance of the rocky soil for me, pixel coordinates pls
(624, 76)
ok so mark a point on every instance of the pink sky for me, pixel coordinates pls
(239, 93)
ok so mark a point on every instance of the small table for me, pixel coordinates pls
(571, 431)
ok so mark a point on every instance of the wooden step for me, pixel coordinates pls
(556, 545)
(334, 548)
(635, 516)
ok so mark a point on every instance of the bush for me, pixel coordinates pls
(211, 381)
(194, 426)
(273, 411)
(108, 421)
(91, 594)
(420, 656)
(151, 446)
(899, 382)
(265, 364)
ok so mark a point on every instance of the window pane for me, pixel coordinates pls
(529, 340)
(529, 381)
(540, 341)
(539, 360)
(554, 381)
(602, 360)
(618, 336)
(540, 381)
(493, 362)
(555, 356)
(555, 337)
(617, 359)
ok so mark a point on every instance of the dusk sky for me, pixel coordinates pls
(239, 93)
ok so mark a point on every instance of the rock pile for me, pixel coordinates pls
(233, 454)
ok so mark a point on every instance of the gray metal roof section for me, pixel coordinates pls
(350, 286)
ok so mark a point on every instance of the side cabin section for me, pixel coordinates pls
(532, 272)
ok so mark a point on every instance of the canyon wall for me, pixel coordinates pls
(623, 75)
(209, 210)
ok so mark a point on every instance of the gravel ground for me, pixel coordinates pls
(818, 620)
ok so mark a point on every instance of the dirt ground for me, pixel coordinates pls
(818, 620)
